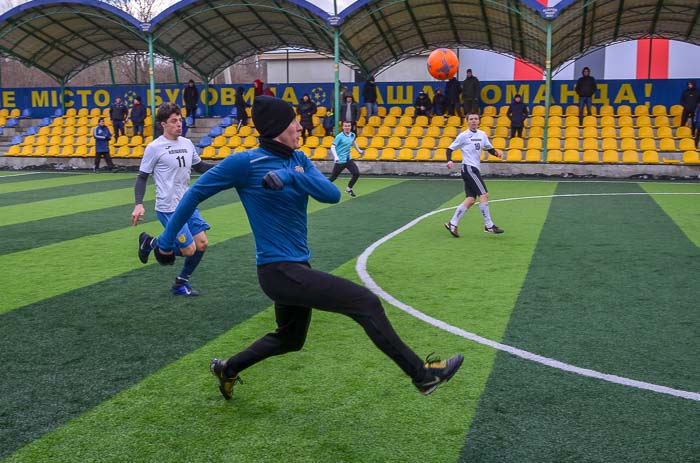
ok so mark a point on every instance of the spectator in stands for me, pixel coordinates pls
(241, 106)
(697, 125)
(138, 116)
(341, 147)
(329, 122)
(306, 110)
(369, 93)
(267, 91)
(102, 136)
(452, 92)
(258, 87)
(471, 91)
(689, 100)
(517, 113)
(350, 112)
(585, 89)
(423, 106)
(439, 103)
(191, 99)
(118, 113)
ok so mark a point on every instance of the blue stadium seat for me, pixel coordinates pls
(58, 112)
(44, 122)
(204, 141)
(12, 122)
(31, 131)
(188, 121)
(216, 131)
(16, 140)
(226, 121)
(26, 113)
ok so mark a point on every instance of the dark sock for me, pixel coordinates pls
(191, 263)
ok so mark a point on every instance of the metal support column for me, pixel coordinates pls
(547, 89)
(152, 79)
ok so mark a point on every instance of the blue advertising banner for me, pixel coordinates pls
(220, 99)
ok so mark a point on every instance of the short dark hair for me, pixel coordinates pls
(166, 110)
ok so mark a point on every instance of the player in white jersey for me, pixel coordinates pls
(471, 142)
(170, 158)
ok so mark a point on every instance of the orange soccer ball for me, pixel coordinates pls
(443, 64)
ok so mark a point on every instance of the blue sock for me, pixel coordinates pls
(191, 263)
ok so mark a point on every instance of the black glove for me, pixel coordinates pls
(162, 258)
(272, 181)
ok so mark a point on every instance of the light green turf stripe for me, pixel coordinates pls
(339, 399)
(683, 209)
(62, 267)
(59, 181)
(19, 213)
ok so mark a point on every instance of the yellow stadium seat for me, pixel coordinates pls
(538, 132)
(641, 110)
(367, 131)
(390, 121)
(400, 131)
(377, 142)
(405, 154)
(659, 110)
(683, 132)
(500, 132)
(137, 151)
(650, 157)
(534, 143)
(645, 132)
(572, 156)
(538, 110)
(326, 142)
(437, 121)
(55, 130)
(625, 121)
(54, 140)
(394, 142)
(611, 157)
(388, 154)
(505, 121)
(444, 142)
(383, 131)
(590, 121)
(381, 111)
(249, 142)
(624, 110)
(553, 144)
(454, 121)
(416, 131)
(489, 131)
(571, 144)
(395, 111)
(423, 154)
(69, 130)
(628, 144)
(555, 121)
(428, 143)
(409, 111)
(572, 110)
(487, 121)
(121, 141)
(515, 144)
(691, 157)
(552, 132)
(410, 142)
(320, 153)
(533, 155)
(514, 155)
(667, 144)
(440, 155)
(590, 144)
(306, 150)
(27, 150)
(627, 132)
(687, 144)
(68, 141)
(536, 121)
(433, 131)
(80, 151)
(661, 121)
(450, 132)
(14, 150)
(630, 157)
(676, 110)
(643, 121)
(374, 121)
(422, 121)
(607, 110)
(28, 140)
(591, 156)
(590, 132)
(556, 110)
(208, 152)
(647, 144)
(406, 121)
(371, 154)
(124, 151)
(571, 132)
(609, 144)
(489, 111)
(554, 156)
(362, 142)
(499, 143)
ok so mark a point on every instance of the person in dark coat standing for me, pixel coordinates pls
(697, 125)
(191, 97)
(452, 92)
(138, 116)
(241, 106)
(306, 110)
(517, 113)
(439, 103)
(118, 113)
(350, 111)
(102, 136)
(585, 88)
(329, 122)
(689, 100)
(423, 106)
(471, 90)
(369, 93)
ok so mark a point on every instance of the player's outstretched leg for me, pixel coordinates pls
(145, 246)
(438, 372)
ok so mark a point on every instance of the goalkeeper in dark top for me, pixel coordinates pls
(274, 183)
(170, 158)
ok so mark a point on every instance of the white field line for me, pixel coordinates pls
(361, 269)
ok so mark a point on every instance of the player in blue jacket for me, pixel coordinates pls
(274, 182)
(341, 147)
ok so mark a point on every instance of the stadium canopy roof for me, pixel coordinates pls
(64, 37)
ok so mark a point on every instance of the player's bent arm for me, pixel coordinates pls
(313, 182)
(334, 152)
(139, 193)
(229, 173)
(202, 166)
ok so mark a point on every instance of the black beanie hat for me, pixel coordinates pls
(271, 115)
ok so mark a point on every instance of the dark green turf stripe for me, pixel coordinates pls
(68, 227)
(20, 177)
(20, 197)
(67, 354)
(612, 287)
